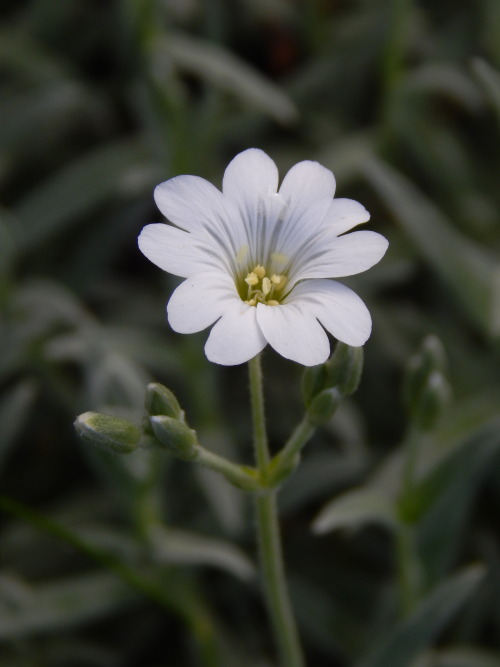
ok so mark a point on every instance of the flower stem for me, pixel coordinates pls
(409, 567)
(409, 572)
(296, 442)
(271, 558)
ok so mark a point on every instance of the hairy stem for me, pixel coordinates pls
(273, 575)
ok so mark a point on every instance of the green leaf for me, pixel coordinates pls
(122, 169)
(458, 471)
(321, 473)
(7, 244)
(22, 56)
(184, 548)
(444, 79)
(226, 502)
(353, 510)
(42, 116)
(489, 78)
(447, 494)
(52, 607)
(469, 271)
(14, 414)
(418, 631)
(226, 71)
(463, 656)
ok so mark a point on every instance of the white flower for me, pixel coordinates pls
(258, 260)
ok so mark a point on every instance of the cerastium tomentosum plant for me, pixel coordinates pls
(258, 263)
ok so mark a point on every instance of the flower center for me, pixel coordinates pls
(262, 289)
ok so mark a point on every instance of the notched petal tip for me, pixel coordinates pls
(236, 337)
(249, 175)
(190, 202)
(294, 333)
(308, 179)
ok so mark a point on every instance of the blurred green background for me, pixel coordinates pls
(145, 561)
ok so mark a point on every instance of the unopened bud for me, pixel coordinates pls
(161, 401)
(313, 381)
(344, 368)
(176, 436)
(432, 401)
(433, 353)
(431, 357)
(426, 390)
(107, 432)
(323, 406)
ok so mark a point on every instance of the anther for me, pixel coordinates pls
(259, 271)
(278, 281)
(251, 279)
(266, 286)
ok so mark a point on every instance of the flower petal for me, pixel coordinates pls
(307, 189)
(329, 257)
(338, 308)
(306, 181)
(192, 203)
(236, 337)
(344, 214)
(175, 251)
(200, 300)
(294, 333)
(249, 175)
(250, 184)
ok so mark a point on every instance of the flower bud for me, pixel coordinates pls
(176, 436)
(344, 368)
(432, 400)
(161, 401)
(323, 406)
(107, 432)
(431, 357)
(313, 381)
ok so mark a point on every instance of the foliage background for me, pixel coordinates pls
(143, 560)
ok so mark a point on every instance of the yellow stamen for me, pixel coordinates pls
(251, 279)
(261, 289)
(279, 281)
(259, 271)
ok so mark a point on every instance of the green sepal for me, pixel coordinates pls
(109, 433)
(176, 436)
(313, 381)
(344, 368)
(161, 401)
(324, 406)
